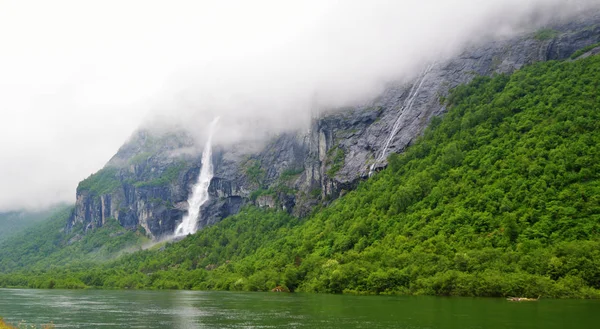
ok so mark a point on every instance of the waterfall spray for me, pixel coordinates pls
(408, 103)
(199, 194)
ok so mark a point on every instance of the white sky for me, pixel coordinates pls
(78, 77)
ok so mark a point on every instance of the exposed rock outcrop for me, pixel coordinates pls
(298, 170)
(145, 184)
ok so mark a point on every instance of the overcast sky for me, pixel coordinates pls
(78, 77)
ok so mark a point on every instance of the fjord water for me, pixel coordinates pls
(196, 309)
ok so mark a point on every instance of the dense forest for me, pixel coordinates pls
(499, 197)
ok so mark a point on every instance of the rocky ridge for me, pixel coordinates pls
(148, 181)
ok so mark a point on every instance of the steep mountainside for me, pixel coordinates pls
(499, 197)
(147, 182)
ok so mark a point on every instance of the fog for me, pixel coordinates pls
(77, 78)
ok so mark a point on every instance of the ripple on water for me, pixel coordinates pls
(199, 310)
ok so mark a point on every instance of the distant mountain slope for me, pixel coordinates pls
(499, 197)
(15, 221)
(46, 245)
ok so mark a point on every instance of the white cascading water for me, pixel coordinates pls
(200, 190)
(408, 103)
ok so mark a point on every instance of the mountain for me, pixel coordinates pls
(498, 197)
(477, 178)
(14, 222)
(46, 245)
(147, 183)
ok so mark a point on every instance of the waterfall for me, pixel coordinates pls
(200, 190)
(408, 104)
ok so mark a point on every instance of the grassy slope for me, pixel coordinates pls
(47, 246)
(15, 222)
(500, 197)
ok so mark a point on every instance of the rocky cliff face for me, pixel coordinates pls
(145, 184)
(150, 181)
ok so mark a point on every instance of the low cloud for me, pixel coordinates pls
(79, 77)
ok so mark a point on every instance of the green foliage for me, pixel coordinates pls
(582, 51)
(15, 222)
(500, 197)
(315, 193)
(274, 191)
(34, 244)
(140, 158)
(102, 182)
(167, 177)
(187, 264)
(335, 160)
(546, 34)
(260, 192)
(254, 172)
(290, 174)
(47, 246)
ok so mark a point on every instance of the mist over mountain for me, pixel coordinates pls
(379, 147)
(78, 78)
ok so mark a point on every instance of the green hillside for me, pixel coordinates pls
(47, 246)
(500, 197)
(15, 222)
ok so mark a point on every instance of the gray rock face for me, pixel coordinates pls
(298, 170)
(151, 179)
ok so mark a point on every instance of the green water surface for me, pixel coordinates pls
(191, 309)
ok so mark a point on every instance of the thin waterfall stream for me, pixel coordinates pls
(408, 104)
(199, 194)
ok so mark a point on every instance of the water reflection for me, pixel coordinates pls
(188, 309)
